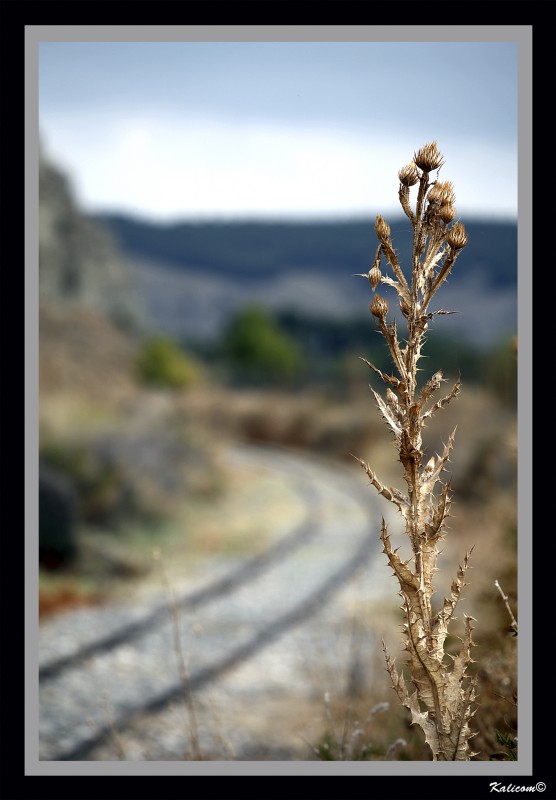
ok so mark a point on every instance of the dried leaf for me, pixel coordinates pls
(386, 378)
(445, 400)
(387, 414)
(393, 495)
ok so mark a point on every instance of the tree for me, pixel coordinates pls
(258, 350)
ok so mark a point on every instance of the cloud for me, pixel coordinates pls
(169, 166)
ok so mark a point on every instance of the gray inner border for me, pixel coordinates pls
(521, 35)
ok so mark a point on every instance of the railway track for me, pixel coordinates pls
(129, 652)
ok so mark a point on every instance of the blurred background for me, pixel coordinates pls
(204, 207)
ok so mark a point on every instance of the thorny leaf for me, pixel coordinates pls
(440, 512)
(430, 387)
(428, 481)
(412, 703)
(393, 495)
(390, 334)
(443, 274)
(463, 659)
(386, 413)
(426, 273)
(408, 581)
(400, 289)
(423, 720)
(442, 619)
(410, 457)
(386, 378)
(444, 401)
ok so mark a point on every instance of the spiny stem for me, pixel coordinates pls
(441, 703)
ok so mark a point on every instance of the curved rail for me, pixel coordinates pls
(243, 612)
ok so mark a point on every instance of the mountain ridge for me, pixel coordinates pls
(245, 246)
(195, 275)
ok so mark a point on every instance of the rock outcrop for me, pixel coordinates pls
(79, 261)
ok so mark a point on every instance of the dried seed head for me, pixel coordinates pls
(374, 276)
(408, 175)
(448, 195)
(442, 192)
(379, 307)
(428, 157)
(382, 229)
(435, 193)
(457, 236)
(447, 212)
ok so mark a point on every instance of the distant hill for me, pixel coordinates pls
(251, 248)
(194, 276)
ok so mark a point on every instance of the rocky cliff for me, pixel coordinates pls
(79, 260)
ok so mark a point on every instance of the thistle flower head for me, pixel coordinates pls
(428, 157)
(442, 192)
(382, 229)
(379, 307)
(457, 236)
(435, 193)
(448, 195)
(447, 212)
(408, 175)
(374, 276)
(391, 397)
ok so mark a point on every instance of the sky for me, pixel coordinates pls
(226, 130)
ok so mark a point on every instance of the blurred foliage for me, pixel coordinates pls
(131, 475)
(258, 350)
(501, 372)
(163, 363)
(356, 736)
(331, 348)
(100, 488)
(454, 356)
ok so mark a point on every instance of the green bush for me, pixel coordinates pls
(258, 350)
(163, 363)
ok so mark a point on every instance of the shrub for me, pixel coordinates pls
(162, 363)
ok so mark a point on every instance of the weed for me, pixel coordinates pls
(444, 693)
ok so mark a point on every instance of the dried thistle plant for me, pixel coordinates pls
(444, 692)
